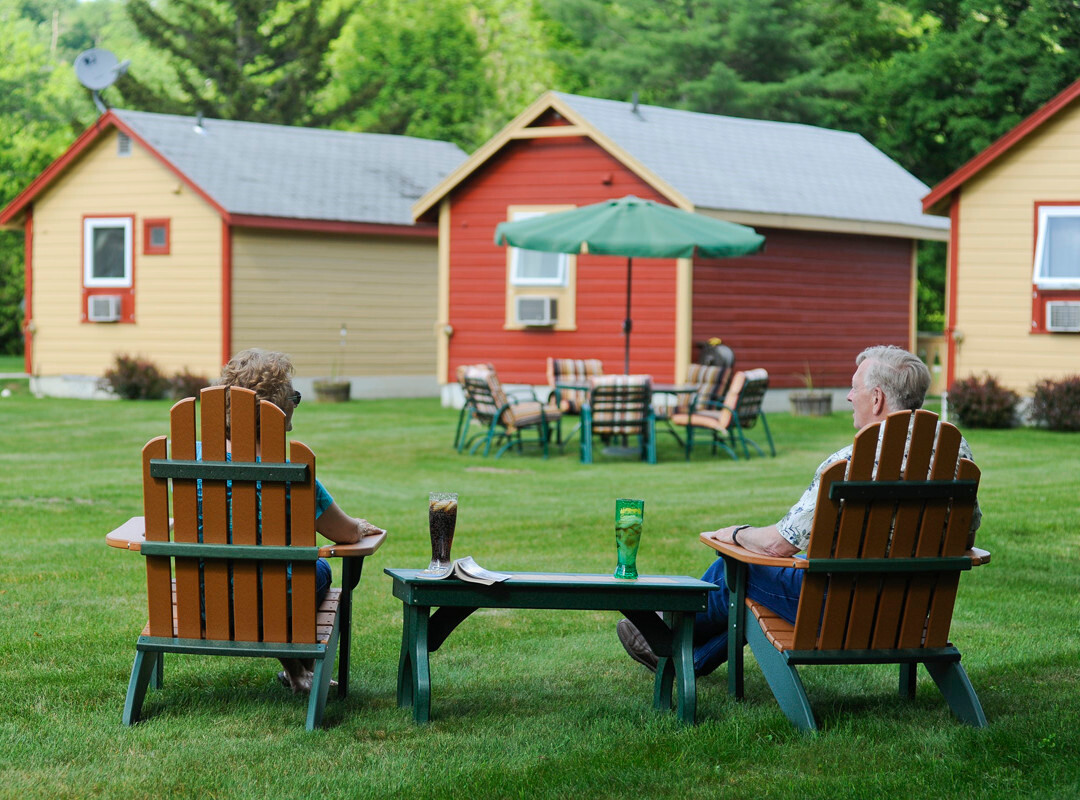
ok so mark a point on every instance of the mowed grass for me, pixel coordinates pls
(525, 703)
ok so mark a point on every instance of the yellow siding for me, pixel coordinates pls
(177, 296)
(292, 291)
(995, 256)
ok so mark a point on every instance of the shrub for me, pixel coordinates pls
(135, 378)
(187, 384)
(1056, 404)
(983, 403)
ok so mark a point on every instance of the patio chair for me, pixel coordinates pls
(564, 371)
(503, 415)
(619, 405)
(237, 577)
(708, 379)
(739, 412)
(888, 545)
(466, 413)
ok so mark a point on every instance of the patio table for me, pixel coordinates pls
(678, 597)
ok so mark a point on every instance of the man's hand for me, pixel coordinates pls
(722, 534)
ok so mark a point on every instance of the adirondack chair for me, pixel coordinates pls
(503, 415)
(882, 569)
(740, 411)
(619, 405)
(244, 563)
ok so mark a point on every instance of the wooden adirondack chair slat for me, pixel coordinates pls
(303, 535)
(156, 514)
(215, 513)
(185, 520)
(275, 623)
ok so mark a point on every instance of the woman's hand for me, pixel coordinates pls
(365, 528)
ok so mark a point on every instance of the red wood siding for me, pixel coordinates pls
(809, 297)
(549, 172)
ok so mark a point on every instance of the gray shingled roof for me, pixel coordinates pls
(734, 164)
(302, 173)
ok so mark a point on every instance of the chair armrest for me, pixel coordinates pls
(128, 536)
(365, 547)
(978, 557)
(747, 557)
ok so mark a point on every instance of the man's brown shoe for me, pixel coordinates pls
(635, 645)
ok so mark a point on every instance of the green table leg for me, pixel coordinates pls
(682, 653)
(405, 689)
(419, 672)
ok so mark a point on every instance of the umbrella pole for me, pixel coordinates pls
(627, 324)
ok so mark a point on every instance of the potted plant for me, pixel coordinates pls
(335, 389)
(811, 402)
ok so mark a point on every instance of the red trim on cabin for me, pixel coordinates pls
(226, 292)
(126, 293)
(1001, 146)
(423, 229)
(950, 314)
(149, 249)
(28, 294)
(1040, 297)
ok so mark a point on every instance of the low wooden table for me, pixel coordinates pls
(679, 597)
(132, 534)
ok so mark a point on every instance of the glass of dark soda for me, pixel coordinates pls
(442, 518)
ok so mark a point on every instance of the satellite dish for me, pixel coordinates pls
(98, 69)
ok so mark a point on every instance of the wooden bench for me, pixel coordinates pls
(679, 597)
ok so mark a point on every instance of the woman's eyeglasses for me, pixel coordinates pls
(295, 398)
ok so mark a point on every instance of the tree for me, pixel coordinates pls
(41, 110)
(254, 60)
(413, 68)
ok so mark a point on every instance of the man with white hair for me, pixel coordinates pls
(887, 379)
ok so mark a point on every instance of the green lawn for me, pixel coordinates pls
(525, 703)
(12, 364)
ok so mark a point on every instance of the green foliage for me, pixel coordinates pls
(931, 287)
(187, 384)
(258, 60)
(983, 402)
(135, 378)
(1056, 404)
(414, 68)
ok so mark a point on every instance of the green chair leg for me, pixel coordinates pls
(953, 682)
(320, 681)
(142, 671)
(908, 674)
(782, 678)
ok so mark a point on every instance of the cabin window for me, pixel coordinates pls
(1057, 248)
(540, 287)
(535, 267)
(156, 237)
(107, 257)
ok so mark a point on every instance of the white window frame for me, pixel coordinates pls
(90, 224)
(515, 278)
(1037, 278)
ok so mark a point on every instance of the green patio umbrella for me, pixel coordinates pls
(630, 226)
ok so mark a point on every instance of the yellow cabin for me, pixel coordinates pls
(184, 240)
(1013, 283)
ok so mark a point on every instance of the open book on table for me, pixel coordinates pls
(466, 569)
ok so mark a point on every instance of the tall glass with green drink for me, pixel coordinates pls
(628, 518)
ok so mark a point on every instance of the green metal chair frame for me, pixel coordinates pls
(882, 568)
(619, 405)
(503, 416)
(740, 411)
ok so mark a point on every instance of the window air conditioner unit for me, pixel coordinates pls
(103, 308)
(537, 310)
(1063, 317)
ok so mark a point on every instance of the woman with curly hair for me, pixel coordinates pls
(269, 375)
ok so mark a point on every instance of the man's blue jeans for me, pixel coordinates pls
(776, 587)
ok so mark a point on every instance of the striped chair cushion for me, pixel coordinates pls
(716, 418)
(619, 412)
(572, 370)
